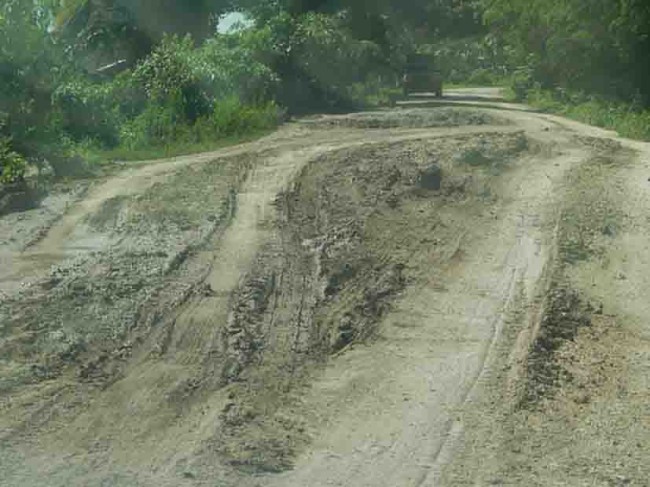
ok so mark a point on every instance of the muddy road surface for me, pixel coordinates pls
(447, 293)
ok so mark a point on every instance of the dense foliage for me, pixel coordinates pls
(98, 75)
(80, 76)
(30, 68)
(594, 46)
(55, 105)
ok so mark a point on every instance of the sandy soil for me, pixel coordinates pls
(430, 295)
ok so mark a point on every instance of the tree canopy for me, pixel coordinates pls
(299, 54)
(599, 46)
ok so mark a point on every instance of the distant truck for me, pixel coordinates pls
(420, 76)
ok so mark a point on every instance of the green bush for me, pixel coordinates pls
(374, 93)
(157, 125)
(87, 110)
(12, 165)
(482, 77)
(195, 95)
(60, 112)
(230, 66)
(230, 117)
(161, 126)
(543, 100)
(626, 120)
(522, 82)
(471, 60)
(169, 81)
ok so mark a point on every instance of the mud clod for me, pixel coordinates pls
(430, 178)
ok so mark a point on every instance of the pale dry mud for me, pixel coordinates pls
(569, 403)
(389, 413)
(309, 309)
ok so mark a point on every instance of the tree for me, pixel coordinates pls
(598, 46)
(29, 67)
(108, 30)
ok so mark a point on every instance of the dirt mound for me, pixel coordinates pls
(407, 118)
(352, 234)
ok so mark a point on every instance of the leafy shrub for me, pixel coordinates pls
(161, 126)
(374, 93)
(473, 60)
(543, 100)
(623, 118)
(194, 79)
(12, 165)
(87, 110)
(522, 81)
(167, 78)
(230, 117)
(180, 92)
(481, 77)
(229, 66)
(331, 55)
(194, 95)
(157, 124)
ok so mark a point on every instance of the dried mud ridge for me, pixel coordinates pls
(409, 118)
(256, 316)
(564, 316)
(330, 277)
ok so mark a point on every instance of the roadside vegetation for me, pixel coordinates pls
(628, 119)
(86, 81)
(588, 59)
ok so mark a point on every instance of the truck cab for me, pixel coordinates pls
(420, 76)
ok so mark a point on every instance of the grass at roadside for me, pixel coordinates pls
(102, 157)
(256, 122)
(157, 134)
(627, 120)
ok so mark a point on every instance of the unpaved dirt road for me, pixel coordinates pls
(450, 293)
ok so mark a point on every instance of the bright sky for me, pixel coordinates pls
(228, 22)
